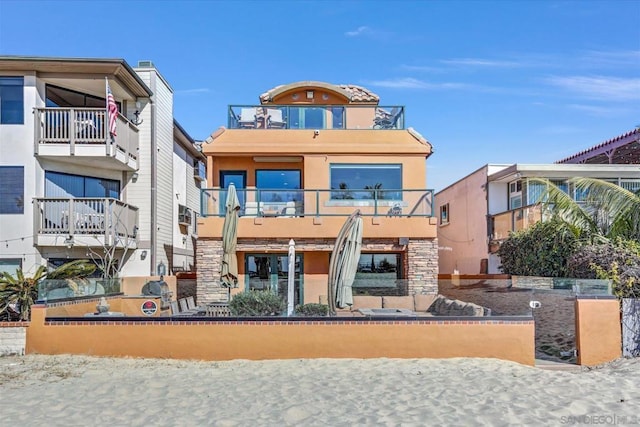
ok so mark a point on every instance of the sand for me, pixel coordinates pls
(80, 390)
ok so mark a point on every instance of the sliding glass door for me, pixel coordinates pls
(269, 272)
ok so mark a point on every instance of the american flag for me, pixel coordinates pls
(112, 110)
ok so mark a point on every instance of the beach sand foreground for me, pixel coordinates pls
(78, 390)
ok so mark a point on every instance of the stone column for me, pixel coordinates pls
(209, 259)
(423, 266)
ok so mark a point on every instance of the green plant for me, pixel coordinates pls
(312, 309)
(257, 303)
(18, 292)
(607, 210)
(617, 261)
(541, 250)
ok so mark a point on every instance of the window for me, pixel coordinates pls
(366, 181)
(379, 274)
(61, 97)
(515, 194)
(11, 189)
(444, 214)
(306, 117)
(10, 265)
(65, 185)
(284, 184)
(11, 100)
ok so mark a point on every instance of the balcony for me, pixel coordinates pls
(504, 223)
(315, 117)
(80, 135)
(85, 222)
(299, 203)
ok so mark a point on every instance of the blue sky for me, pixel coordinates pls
(485, 82)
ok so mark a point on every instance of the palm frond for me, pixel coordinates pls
(563, 206)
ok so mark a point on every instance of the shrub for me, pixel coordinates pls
(312, 310)
(257, 303)
(618, 261)
(541, 250)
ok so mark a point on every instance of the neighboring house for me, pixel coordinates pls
(303, 160)
(623, 149)
(71, 190)
(479, 211)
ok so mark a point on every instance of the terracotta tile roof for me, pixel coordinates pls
(626, 146)
(356, 93)
(360, 94)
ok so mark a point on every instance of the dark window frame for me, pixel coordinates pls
(9, 192)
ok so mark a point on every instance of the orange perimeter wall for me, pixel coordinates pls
(598, 331)
(283, 339)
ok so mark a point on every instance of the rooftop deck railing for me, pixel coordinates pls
(87, 126)
(297, 203)
(316, 117)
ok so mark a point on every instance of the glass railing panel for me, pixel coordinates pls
(315, 117)
(295, 202)
(498, 295)
(49, 289)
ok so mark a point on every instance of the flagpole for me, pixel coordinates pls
(106, 109)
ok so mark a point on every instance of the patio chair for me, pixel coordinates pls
(274, 119)
(191, 304)
(387, 120)
(174, 308)
(247, 118)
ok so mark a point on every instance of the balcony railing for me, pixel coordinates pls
(296, 203)
(315, 117)
(514, 220)
(83, 127)
(116, 221)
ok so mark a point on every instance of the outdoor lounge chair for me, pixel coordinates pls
(274, 119)
(388, 120)
(247, 118)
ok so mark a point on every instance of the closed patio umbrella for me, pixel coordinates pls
(229, 273)
(344, 262)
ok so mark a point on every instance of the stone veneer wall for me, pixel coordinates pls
(423, 266)
(13, 338)
(209, 261)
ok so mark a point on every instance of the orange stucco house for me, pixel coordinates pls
(305, 158)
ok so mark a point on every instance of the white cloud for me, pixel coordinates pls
(412, 83)
(612, 58)
(479, 62)
(363, 30)
(599, 111)
(192, 91)
(600, 87)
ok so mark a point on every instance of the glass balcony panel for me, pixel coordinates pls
(315, 117)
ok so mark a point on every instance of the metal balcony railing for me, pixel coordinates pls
(85, 126)
(315, 117)
(296, 203)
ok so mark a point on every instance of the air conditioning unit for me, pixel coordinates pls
(184, 215)
(199, 171)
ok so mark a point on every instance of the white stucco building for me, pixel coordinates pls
(70, 190)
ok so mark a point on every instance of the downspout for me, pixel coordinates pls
(154, 196)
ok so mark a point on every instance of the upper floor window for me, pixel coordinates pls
(515, 194)
(278, 185)
(11, 100)
(366, 181)
(444, 214)
(11, 189)
(66, 185)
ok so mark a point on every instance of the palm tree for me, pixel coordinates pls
(18, 293)
(608, 210)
